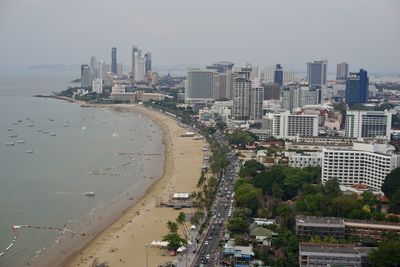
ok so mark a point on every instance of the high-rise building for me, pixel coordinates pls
(221, 67)
(269, 74)
(114, 60)
(366, 163)
(316, 72)
(368, 124)
(271, 91)
(342, 71)
(288, 126)
(288, 76)
(86, 76)
(147, 62)
(278, 75)
(139, 67)
(256, 103)
(97, 86)
(223, 79)
(357, 88)
(294, 96)
(119, 69)
(200, 85)
(94, 67)
(135, 49)
(241, 99)
(220, 89)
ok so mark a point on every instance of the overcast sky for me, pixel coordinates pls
(365, 33)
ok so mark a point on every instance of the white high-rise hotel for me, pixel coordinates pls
(368, 124)
(366, 163)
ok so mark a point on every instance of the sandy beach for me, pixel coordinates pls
(124, 242)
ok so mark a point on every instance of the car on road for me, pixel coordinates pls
(208, 256)
(206, 243)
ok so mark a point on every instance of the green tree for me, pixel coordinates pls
(387, 254)
(221, 125)
(248, 196)
(172, 227)
(332, 188)
(237, 224)
(392, 182)
(174, 240)
(394, 202)
(250, 168)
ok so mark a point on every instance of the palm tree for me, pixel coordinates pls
(172, 227)
(181, 221)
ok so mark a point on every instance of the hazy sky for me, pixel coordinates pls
(365, 33)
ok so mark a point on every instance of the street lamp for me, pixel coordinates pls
(147, 256)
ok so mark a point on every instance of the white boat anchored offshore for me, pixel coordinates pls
(10, 143)
(21, 141)
(89, 194)
(29, 151)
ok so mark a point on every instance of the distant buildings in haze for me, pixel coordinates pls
(342, 71)
(316, 72)
(114, 60)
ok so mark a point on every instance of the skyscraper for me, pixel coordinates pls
(86, 76)
(135, 49)
(316, 72)
(294, 97)
(94, 67)
(278, 75)
(114, 60)
(357, 88)
(342, 71)
(147, 62)
(241, 99)
(223, 79)
(200, 85)
(271, 91)
(256, 103)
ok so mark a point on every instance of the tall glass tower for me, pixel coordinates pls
(114, 60)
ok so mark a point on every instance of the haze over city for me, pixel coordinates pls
(194, 33)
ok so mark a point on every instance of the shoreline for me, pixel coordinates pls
(110, 214)
(87, 250)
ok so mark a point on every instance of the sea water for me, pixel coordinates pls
(65, 150)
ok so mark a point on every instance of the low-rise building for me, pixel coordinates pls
(320, 226)
(304, 159)
(324, 254)
(370, 229)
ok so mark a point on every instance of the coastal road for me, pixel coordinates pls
(209, 250)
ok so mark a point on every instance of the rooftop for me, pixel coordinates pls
(326, 248)
(322, 221)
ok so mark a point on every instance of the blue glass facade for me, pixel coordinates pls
(357, 88)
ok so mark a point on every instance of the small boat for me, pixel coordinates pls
(10, 143)
(45, 132)
(66, 125)
(31, 125)
(29, 151)
(39, 130)
(19, 120)
(13, 135)
(50, 119)
(89, 194)
(9, 129)
(20, 141)
(53, 134)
